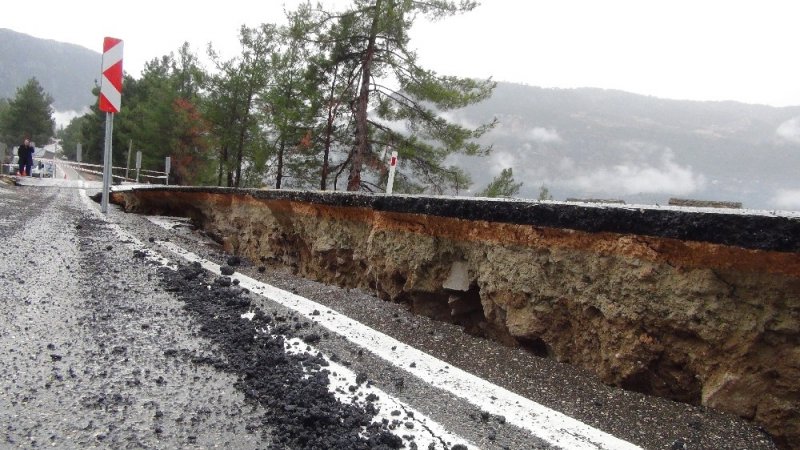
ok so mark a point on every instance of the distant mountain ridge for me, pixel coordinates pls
(66, 71)
(596, 143)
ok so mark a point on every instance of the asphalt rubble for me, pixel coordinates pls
(301, 412)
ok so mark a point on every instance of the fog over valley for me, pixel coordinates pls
(593, 143)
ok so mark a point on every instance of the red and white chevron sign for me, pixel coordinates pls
(111, 80)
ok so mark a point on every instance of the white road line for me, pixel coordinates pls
(552, 426)
(425, 431)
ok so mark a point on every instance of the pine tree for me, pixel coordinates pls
(163, 118)
(71, 136)
(544, 193)
(291, 102)
(502, 185)
(29, 114)
(390, 90)
(234, 110)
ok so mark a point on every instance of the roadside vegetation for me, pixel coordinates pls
(29, 114)
(320, 102)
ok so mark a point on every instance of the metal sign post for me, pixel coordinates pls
(78, 155)
(107, 162)
(110, 101)
(392, 167)
(167, 164)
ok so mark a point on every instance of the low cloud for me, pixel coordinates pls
(787, 199)
(501, 160)
(544, 135)
(63, 118)
(566, 165)
(521, 130)
(459, 118)
(790, 130)
(665, 176)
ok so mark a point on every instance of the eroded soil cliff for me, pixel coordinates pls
(698, 307)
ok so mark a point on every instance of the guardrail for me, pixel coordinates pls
(140, 173)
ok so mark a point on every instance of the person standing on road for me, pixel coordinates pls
(25, 153)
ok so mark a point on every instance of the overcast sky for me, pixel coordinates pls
(743, 50)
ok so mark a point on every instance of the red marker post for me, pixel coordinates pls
(110, 102)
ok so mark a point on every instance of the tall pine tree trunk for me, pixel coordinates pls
(323, 184)
(279, 175)
(362, 136)
(242, 134)
(223, 159)
(326, 152)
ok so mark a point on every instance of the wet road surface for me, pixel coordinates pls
(123, 331)
(83, 339)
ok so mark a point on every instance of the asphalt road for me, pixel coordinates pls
(123, 331)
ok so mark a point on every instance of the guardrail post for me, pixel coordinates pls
(128, 165)
(138, 163)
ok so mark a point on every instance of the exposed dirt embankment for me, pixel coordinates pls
(695, 306)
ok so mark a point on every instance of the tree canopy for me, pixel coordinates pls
(398, 103)
(321, 101)
(502, 185)
(28, 114)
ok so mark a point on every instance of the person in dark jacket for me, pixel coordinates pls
(25, 153)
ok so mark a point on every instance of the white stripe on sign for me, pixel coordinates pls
(112, 56)
(111, 93)
(552, 426)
